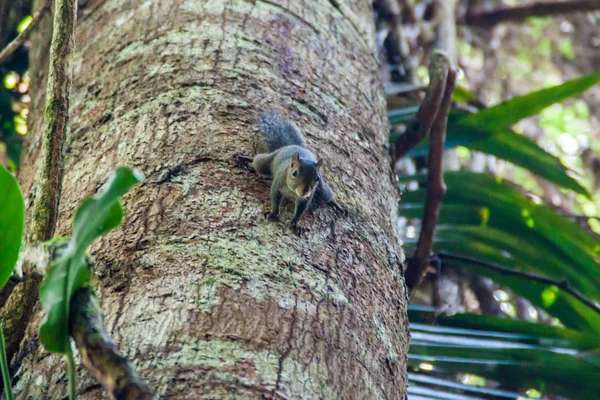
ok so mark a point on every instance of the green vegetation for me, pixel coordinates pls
(95, 216)
(495, 229)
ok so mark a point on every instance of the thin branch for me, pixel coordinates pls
(23, 36)
(99, 352)
(488, 19)
(436, 188)
(420, 127)
(562, 284)
(56, 115)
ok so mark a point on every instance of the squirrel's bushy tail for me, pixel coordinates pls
(278, 133)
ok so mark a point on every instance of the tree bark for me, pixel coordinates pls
(206, 296)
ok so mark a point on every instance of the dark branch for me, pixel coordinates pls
(99, 353)
(395, 43)
(436, 188)
(23, 36)
(420, 127)
(562, 284)
(488, 19)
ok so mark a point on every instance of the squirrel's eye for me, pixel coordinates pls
(295, 173)
(318, 178)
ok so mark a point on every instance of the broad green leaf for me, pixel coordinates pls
(508, 113)
(569, 310)
(419, 384)
(95, 216)
(525, 153)
(514, 329)
(12, 220)
(451, 214)
(515, 213)
(558, 371)
(488, 131)
(506, 145)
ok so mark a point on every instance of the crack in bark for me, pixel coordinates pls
(287, 351)
(242, 30)
(293, 14)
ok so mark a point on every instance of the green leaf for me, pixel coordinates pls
(488, 219)
(524, 152)
(95, 216)
(517, 330)
(550, 370)
(450, 214)
(463, 95)
(518, 354)
(514, 213)
(12, 220)
(508, 113)
(420, 384)
(488, 131)
(507, 145)
(569, 310)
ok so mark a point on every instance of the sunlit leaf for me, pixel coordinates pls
(508, 113)
(488, 131)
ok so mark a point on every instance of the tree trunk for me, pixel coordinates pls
(206, 296)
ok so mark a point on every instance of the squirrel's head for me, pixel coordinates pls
(303, 175)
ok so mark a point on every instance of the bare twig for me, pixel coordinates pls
(23, 36)
(563, 284)
(436, 188)
(99, 353)
(421, 125)
(488, 19)
(56, 115)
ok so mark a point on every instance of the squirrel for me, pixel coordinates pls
(295, 170)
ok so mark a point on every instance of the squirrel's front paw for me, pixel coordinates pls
(273, 217)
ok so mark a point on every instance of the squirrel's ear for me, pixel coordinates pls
(320, 163)
(295, 159)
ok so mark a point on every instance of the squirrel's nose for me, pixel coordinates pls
(306, 190)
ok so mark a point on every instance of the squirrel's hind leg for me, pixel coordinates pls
(262, 163)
